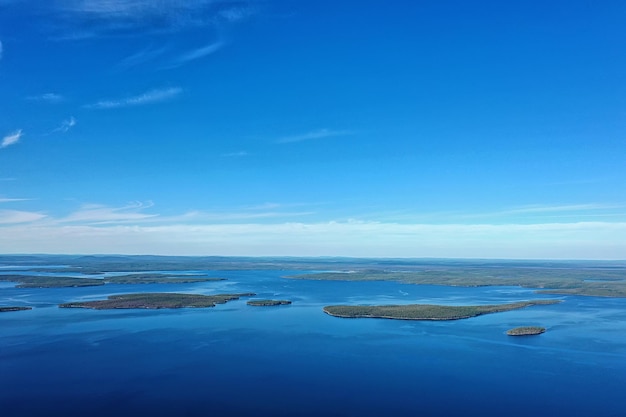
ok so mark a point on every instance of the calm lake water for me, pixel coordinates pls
(237, 360)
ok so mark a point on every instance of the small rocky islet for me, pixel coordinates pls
(268, 303)
(526, 331)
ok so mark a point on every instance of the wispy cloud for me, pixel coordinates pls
(11, 200)
(11, 139)
(100, 214)
(51, 98)
(235, 154)
(65, 125)
(141, 57)
(197, 53)
(120, 16)
(16, 216)
(152, 96)
(235, 14)
(546, 211)
(563, 208)
(314, 134)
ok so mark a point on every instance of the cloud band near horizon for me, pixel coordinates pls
(361, 239)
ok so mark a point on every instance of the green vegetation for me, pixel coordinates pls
(31, 281)
(426, 311)
(156, 301)
(591, 278)
(599, 282)
(7, 309)
(263, 303)
(28, 281)
(158, 279)
(526, 331)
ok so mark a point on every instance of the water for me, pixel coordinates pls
(237, 360)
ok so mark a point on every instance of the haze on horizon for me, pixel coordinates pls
(217, 127)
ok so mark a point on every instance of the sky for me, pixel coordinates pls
(423, 129)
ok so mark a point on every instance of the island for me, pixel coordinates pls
(526, 331)
(158, 279)
(427, 311)
(156, 301)
(36, 281)
(265, 303)
(33, 281)
(11, 308)
(599, 282)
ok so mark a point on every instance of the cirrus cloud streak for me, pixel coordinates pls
(149, 97)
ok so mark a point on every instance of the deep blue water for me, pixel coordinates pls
(237, 360)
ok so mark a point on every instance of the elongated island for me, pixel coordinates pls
(427, 311)
(13, 308)
(268, 303)
(156, 301)
(36, 281)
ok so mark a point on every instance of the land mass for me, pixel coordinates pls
(427, 311)
(156, 301)
(263, 303)
(11, 308)
(158, 279)
(34, 281)
(526, 331)
(565, 281)
(30, 281)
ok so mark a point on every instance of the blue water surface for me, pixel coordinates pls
(238, 360)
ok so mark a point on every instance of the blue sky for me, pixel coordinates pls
(482, 129)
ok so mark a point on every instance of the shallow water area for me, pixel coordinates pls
(294, 360)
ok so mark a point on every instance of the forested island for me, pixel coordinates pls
(427, 311)
(267, 303)
(601, 282)
(526, 331)
(156, 301)
(35, 281)
(32, 281)
(13, 308)
(588, 278)
(158, 279)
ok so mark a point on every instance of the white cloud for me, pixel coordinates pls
(283, 230)
(52, 98)
(66, 125)
(236, 14)
(11, 139)
(152, 96)
(100, 214)
(314, 134)
(563, 208)
(198, 53)
(235, 154)
(15, 216)
(581, 240)
(11, 200)
(162, 15)
(141, 57)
